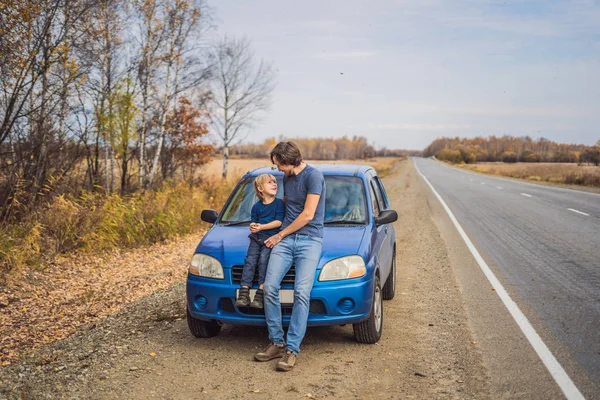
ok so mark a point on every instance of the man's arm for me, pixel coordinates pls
(310, 207)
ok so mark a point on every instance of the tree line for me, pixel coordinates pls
(511, 149)
(342, 148)
(116, 95)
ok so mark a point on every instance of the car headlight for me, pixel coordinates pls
(343, 268)
(206, 266)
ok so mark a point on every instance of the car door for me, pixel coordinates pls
(385, 251)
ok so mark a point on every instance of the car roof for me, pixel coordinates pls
(326, 169)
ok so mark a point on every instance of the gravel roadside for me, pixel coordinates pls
(145, 350)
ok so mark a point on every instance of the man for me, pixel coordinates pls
(299, 244)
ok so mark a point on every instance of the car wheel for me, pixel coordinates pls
(369, 331)
(389, 289)
(201, 328)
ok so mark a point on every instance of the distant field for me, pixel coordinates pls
(561, 173)
(239, 166)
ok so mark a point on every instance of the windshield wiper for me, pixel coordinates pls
(236, 223)
(343, 222)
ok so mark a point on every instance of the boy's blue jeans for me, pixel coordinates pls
(257, 256)
(303, 252)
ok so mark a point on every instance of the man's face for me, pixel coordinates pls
(286, 169)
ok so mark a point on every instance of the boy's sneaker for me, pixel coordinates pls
(243, 299)
(258, 301)
(287, 362)
(273, 351)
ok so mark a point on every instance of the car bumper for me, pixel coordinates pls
(332, 303)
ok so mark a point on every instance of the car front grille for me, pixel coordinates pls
(236, 276)
(316, 307)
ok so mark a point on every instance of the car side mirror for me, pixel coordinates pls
(209, 216)
(386, 217)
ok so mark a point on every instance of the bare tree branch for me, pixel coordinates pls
(241, 90)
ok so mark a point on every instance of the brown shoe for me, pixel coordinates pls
(273, 351)
(287, 362)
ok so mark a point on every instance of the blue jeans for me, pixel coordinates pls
(257, 256)
(303, 252)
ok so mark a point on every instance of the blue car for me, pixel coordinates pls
(356, 272)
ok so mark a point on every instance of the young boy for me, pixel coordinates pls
(267, 215)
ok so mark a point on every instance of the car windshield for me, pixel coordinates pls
(344, 202)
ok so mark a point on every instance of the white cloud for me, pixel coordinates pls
(414, 69)
(419, 127)
(344, 54)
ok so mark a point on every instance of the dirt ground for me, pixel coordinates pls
(145, 351)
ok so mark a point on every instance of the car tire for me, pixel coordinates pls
(201, 328)
(389, 289)
(369, 330)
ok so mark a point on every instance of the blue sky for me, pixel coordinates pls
(405, 72)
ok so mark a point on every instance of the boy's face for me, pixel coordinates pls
(270, 187)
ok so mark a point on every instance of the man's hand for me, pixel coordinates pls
(273, 240)
(255, 227)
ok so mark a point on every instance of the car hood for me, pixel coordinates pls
(229, 244)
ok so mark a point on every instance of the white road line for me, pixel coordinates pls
(483, 183)
(499, 187)
(578, 212)
(526, 195)
(556, 370)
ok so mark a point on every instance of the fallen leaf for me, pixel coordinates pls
(153, 354)
(387, 370)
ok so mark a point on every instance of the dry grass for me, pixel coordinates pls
(561, 173)
(239, 166)
(94, 222)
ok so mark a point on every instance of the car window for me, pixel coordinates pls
(378, 196)
(376, 209)
(344, 200)
(383, 193)
(239, 205)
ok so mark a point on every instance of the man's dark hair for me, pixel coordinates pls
(286, 153)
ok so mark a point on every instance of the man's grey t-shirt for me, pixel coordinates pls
(295, 189)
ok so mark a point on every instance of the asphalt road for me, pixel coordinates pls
(543, 243)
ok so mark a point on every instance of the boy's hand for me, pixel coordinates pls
(255, 227)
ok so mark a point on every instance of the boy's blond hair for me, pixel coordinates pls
(259, 184)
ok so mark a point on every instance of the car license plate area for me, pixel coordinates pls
(286, 296)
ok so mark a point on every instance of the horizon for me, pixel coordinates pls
(534, 139)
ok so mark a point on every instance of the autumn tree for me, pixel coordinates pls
(37, 73)
(508, 149)
(124, 121)
(185, 149)
(240, 91)
(182, 33)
